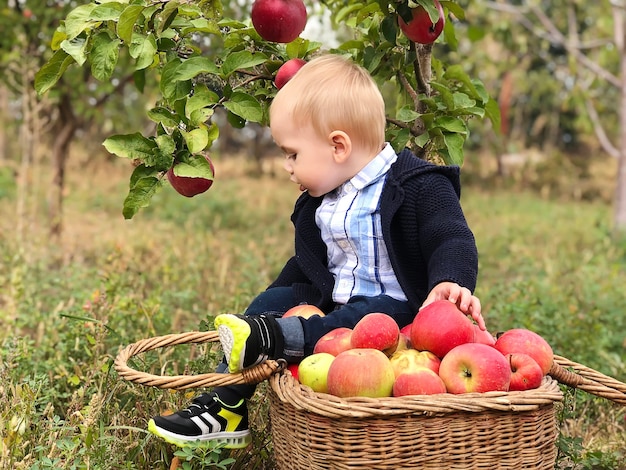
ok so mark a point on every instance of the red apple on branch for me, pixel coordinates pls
(420, 28)
(190, 186)
(287, 70)
(475, 367)
(279, 20)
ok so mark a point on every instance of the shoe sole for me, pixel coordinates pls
(231, 440)
(233, 333)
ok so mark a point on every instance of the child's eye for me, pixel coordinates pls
(291, 156)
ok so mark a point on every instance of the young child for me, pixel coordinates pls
(375, 231)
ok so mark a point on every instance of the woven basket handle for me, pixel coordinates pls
(579, 376)
(253, 375)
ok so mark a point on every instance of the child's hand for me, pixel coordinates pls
(461, 296)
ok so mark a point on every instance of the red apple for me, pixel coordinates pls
(313, 371)
(189, 186)
(304, 311)
(475, 367)
(293, 368)
(526, 374)
(334, 342)
(483, 336)
(376, 331)
(409, 360)
(420, 28)
(521, 340)
(278, 20)
(406, 329)
(287, 70)
(420, 382)
(360, 373)
(439, 327)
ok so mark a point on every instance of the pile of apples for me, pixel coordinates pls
(441, 351)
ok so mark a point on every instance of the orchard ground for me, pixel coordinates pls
(546, 265)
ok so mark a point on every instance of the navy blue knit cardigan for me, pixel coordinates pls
(424, 229)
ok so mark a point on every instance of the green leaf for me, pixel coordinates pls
(346, 11)
(139, 195)
(493, 113)
(164, 116)
(401, 139)
(197, 139)
(300, 47)
(194, 66)
(142, 171)
(47, 76)
(172, 88)
(143, 48)
(196, 166)
(461, 100)
(454, 145)
(389, 28)
(134, 146)
(201, 25)
(451, 124)
(407, 114)
(234, 120)
(422, 140)
(200, 116)
(76, 48)
(104, 55)
(167, 16)
(241, 60)
(454, 8)
(166, 144)
(127, 21)
(456, 72)
(444, 94)
(107, 11)
(245, 106)
(78, 20)
(202, 98)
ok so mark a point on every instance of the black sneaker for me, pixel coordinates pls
(248, 340)
(207, 419)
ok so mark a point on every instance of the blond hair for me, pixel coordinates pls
(331, 93)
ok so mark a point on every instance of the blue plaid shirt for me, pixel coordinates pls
(349, 221)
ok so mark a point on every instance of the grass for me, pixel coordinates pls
(66, 308)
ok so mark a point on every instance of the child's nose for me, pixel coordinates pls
(287, 165)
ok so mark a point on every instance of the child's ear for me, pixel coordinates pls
(342, 145)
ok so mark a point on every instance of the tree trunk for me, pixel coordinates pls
(68, 126)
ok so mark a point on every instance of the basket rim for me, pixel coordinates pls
(288, 390)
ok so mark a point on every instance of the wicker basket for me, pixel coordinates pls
(495, 430)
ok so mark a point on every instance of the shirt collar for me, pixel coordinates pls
(376, 168)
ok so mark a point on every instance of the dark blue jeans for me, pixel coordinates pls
(301, 334)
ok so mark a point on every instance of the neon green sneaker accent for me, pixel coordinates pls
(233, 333)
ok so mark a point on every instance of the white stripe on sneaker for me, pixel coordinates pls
(204, 420)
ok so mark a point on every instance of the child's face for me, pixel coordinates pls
(309, 157)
